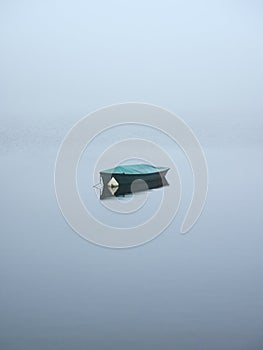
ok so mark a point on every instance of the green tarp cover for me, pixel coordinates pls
(134, 169)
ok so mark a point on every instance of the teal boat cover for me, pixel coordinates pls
(134, 169)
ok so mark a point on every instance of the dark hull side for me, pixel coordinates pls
(138, 186)
(128, 179)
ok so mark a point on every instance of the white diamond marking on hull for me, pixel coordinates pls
(113, 183)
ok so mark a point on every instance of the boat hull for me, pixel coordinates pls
(152, 179)
(137, 185)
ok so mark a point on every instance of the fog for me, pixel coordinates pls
(61, 60)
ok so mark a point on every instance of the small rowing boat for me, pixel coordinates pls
(126, 174)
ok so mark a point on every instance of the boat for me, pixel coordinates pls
(119, 180)
(126, 174)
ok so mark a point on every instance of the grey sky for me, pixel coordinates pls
(201, 59)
